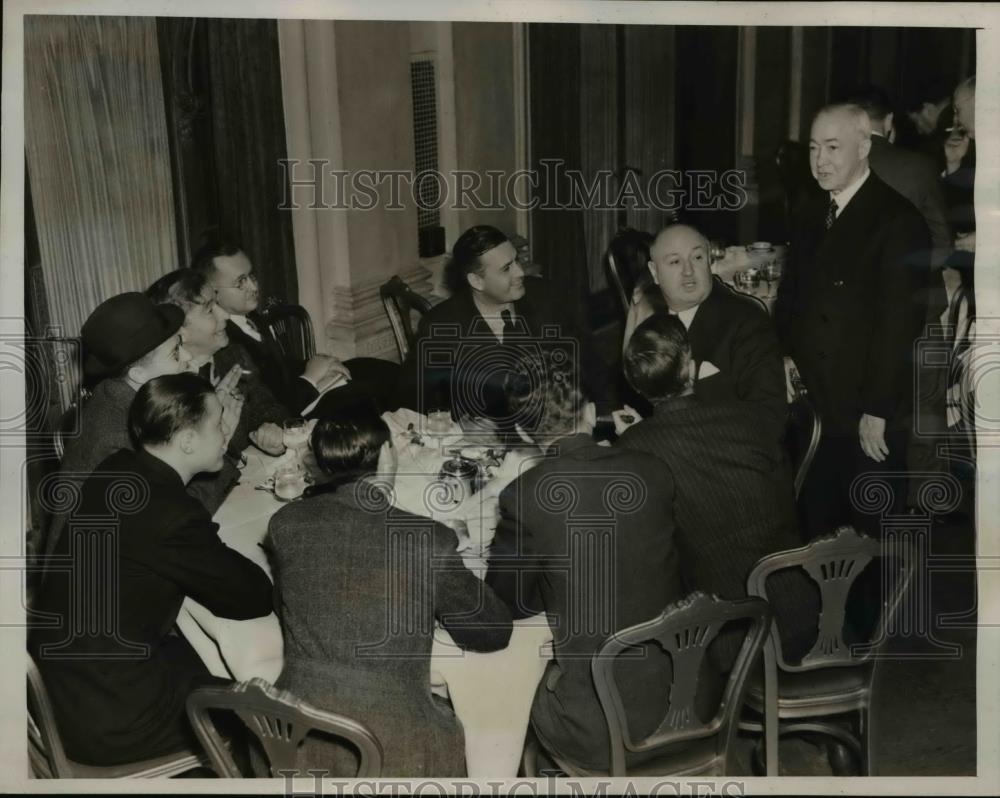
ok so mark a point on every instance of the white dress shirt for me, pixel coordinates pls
(847, 193)
(686, 316)
(244, 324)
(494, 320)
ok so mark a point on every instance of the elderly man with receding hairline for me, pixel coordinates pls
(850, 309)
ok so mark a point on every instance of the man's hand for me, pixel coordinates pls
(871, 431)
(320, 367)
(625, 418)
(232, 407)
(966, 242)
(228, 383)
(268, 437)
(792, 380)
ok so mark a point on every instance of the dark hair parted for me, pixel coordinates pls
(216, 245)
(544, 394)
(166, 405)
(182, 288)
(348, 445)
(873, 100)
(465, 254)
(657, 356)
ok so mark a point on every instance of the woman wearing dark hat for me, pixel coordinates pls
(127, 341)
(119, 688)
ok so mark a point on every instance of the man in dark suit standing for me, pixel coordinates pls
(732, 338)
(587, 537)
(117, 674)
(850, 307)
(915, 176)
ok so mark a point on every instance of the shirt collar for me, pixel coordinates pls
(847, 193)
(686, 316)
(244, 325)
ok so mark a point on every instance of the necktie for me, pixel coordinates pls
(831, 214)
(205, 372)
(508, 323)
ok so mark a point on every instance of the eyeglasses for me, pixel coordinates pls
(243, 280)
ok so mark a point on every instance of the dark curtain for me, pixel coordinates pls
(558, 234)
(248, 126)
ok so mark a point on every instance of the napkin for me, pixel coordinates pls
(707, 369)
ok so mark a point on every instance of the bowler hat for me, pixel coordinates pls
(123, 329)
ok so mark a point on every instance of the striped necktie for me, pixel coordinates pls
(831, 213)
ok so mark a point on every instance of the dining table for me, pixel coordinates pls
(491, 693)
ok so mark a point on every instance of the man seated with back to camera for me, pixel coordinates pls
(542, 560)
(204, 335)
(347, 567)
(318, 387)
(466, 345)
(119, 694)
(733, 499)
(127, 341)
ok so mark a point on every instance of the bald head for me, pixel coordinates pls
(680, 265)
(839, 143)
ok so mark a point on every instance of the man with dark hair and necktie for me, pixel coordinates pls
(850, 309)
(466, 345)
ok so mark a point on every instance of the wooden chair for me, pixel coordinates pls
(687, 745)
(399, 300)
(833, 678)
(48, 758)
(280, 721)
(802, 434)
(292, 328)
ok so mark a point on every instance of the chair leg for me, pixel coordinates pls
(865, 736)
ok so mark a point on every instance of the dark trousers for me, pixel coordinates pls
(826, 500)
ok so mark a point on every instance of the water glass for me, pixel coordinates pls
(295, 434)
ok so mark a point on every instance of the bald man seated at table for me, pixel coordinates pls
(360, 585)
(733, 342)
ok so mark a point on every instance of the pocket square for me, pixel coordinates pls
(707, 369)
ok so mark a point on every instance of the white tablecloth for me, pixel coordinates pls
(491, 693)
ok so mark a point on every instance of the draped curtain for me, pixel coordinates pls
(558, 233)
(599, 140)
(248, 129)
(98, 160)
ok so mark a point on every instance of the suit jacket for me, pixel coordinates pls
(914, 175)
(281, 377)
(114, 708)
(733, 502)
(103, 430)
(735, 334)
(851, 304)
(358, 589)
(588, 536)
(453, 335)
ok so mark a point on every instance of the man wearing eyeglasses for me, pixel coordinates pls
(302, 387)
